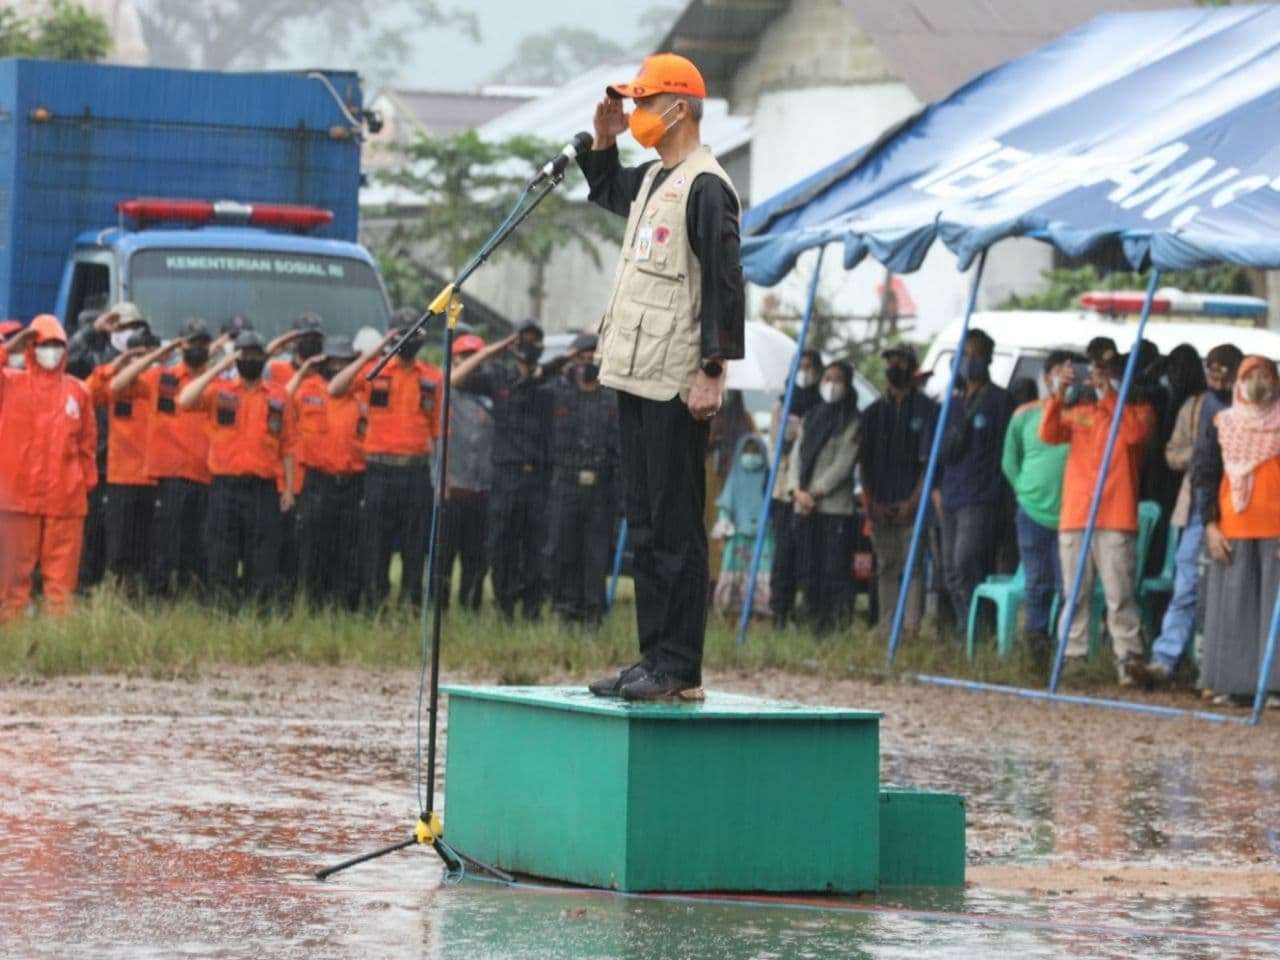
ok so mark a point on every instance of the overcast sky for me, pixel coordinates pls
(448, 60)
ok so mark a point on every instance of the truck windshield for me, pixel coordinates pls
(267, 287)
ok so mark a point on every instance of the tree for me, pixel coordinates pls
(552, 58)
(1065, 285)
(559, 55)
(250, 34)
(468, 186)
(63, 31)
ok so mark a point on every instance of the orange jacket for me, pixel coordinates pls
(178, 441)
(404, 408)
(251, 428)
(47, 435)
(330, 429)
(128, 423)
(1260, 520)
(1086, 428)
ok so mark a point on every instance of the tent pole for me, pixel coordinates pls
(1069, 611)
(1264, 675)
(762, 531)
(925, 505)
(617, 565)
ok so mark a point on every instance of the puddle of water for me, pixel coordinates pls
(160, 836)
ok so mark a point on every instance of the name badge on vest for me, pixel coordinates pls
(644, 242)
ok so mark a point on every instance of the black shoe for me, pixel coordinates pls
(662, 686)
(612, 686)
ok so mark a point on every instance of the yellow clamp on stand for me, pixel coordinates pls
(429, 830)
(448, 303)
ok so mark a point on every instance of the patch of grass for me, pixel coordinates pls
(108, 634)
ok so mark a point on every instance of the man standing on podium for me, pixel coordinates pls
(673, 320)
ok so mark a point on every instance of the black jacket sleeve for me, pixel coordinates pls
(612, 186)
(1207, 471)
(712, 223)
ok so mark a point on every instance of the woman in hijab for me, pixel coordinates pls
(740, 506)
(1238, 489)
(821, 483)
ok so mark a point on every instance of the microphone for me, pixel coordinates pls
(555, 167)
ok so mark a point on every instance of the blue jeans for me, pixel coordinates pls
(1180, 619)
(1038, 551)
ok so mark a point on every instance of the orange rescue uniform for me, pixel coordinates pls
(178, 440)
(1085, 428)
(252, 428)
(331, 430)
(1260, 520)
(48, 436)
(128, 424)
(404, 408)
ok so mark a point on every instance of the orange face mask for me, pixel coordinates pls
(649, 128)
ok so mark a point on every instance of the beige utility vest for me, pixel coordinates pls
(650, 337)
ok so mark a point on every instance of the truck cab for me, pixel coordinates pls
(177, 259)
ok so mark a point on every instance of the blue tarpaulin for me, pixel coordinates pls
(1155, 130)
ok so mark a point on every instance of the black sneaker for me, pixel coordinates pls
(662, 686)
(612, 686)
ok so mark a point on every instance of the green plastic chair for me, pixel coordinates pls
(1160, 583)
(1007, 593)
(1148, 517)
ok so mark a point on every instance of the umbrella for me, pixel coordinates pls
(767, 360)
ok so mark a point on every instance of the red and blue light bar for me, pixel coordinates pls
(1173, 302)
(145, 210)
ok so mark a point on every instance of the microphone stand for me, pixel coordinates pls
(429, 828)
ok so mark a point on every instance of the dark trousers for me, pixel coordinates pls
(1038, 550)
(287, 569)
(828, 584)
(464, 524)
(243, 539)
(328, 525)
(578, 549)
(178, 563)
(93, 556)
(517, 536)
(664, 469)
(790, 554)
(968, 544)
(396, 513)
(127, 512)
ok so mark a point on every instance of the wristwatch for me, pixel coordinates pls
(713, 368)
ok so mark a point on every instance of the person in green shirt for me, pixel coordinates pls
(1034, 470)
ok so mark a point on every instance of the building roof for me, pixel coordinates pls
(720, 36)
(936, 46)
(443, 113)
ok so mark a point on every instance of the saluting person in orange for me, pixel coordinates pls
(48, 438)
(130, 494)
(331, 434)
(251, 440)
(177, 457)
(404, 424)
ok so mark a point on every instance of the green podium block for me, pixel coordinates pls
(922, 839)
(734, 794)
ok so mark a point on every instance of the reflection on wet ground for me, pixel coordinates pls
(156, 835)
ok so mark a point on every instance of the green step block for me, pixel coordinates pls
(922, 840)
(734, 794)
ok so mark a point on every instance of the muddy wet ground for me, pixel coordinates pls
(158, 818)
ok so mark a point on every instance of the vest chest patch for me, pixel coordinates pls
(662, 233)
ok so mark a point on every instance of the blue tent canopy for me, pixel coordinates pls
(1155, 130)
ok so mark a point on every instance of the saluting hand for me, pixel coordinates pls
(610, 120)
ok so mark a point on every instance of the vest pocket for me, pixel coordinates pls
(656, 326)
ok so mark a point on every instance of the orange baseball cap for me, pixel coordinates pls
(663, 73)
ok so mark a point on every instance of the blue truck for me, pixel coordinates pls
(186, 192)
